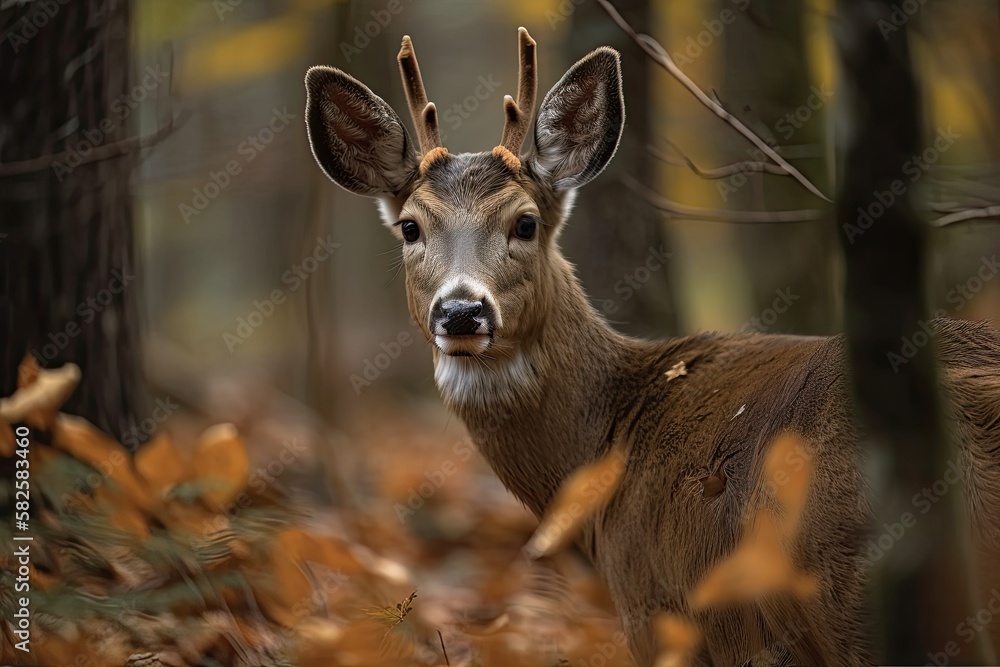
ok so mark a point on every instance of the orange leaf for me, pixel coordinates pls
(222, 465)
(676, 640)
(161, 465)
(584, 493)
(786, 472)
(760, 566)
(85, 443)
(39, 400)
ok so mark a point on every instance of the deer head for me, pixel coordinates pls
(478, 230)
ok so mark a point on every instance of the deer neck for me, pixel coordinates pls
(541, 407)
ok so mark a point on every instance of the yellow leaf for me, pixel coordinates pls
(222, 464)
(584, 493)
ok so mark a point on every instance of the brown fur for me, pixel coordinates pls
(557, 385)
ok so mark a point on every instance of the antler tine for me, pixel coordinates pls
(518, 115)
(423, 112)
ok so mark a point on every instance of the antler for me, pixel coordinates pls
(518, 114)
(424, 113)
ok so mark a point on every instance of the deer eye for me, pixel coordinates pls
(525, 226)
(410, 229)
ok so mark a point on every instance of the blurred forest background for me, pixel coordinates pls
(251, 290)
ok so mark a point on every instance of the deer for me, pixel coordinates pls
(545, 385)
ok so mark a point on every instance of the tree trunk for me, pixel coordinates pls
(69, 276)
(617, 240)
(918, 591)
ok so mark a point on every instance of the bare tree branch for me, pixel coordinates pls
(662, 58)
(967, 214)
(677, 210)
(740, 167)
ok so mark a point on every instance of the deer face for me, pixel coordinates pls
(478, 230)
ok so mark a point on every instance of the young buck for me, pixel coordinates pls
(545, 385)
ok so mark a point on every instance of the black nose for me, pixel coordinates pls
(459, 317)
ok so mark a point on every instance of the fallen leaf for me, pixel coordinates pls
(38, 402)
(161, 465)
(27, 371)
(584, 493)
(760, 566)
(85, 443)
(786, 474)
(676, 371)
(318, 638)
(222, 465)
(676, 640)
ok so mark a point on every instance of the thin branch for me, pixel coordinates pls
(99, 153)
(662, 58)
(678, 210)
(741, 167)
(967, 214)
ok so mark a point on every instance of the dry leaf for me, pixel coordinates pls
(676, 371)
(676, 640)
(27, 371)
(286, 593)
(760, 566)
(222, 465)
(318, 638)
(786, 474)
(85, 443)
(161, 465)
(37, 403)
(584, 493)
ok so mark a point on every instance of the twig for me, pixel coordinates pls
(443, 649)
(720, 172)
(99, 153)
(968, 214)
(662, 58)
(677, 210)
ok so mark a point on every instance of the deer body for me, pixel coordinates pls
(545, 386)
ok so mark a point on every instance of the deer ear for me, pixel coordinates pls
(580, 121)
(357, 139)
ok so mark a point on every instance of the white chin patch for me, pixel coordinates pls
(468, 381)
(463, 345)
